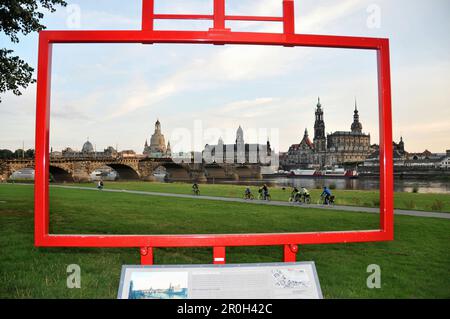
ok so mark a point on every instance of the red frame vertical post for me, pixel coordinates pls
(148, 7)
(42, 158)
(386, 148)
(288, 17)
(146, 255)
(219, 16)
(290, 253)
(219, 256)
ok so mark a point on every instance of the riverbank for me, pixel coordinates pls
(402, 200)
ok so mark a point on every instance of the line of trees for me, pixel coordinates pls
(17, 154)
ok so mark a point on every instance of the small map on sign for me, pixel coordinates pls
(291, 278)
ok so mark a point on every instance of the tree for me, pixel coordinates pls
(29, 153)
(6, 154)
(19, 16)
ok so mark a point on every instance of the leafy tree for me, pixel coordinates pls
(29, 153)
(19, 153)
(19, 16)
(6, 154)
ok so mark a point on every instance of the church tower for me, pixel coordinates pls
(157, 147)
(168, 150)
(356, 125)
(319, 129)
(240, 136)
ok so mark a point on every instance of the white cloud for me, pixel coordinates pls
(324, 15)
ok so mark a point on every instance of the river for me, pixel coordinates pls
(362, 183)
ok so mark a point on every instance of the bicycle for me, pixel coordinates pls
(263, 196)
(249, 196)
(328, 200)
(306, 198)
(295, 198)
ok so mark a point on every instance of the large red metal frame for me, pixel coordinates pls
(218, 35)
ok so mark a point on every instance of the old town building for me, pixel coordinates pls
(157, 147)
(238, 153)
(341, 147)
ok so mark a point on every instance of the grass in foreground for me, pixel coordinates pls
(415, 265)
(408, 201)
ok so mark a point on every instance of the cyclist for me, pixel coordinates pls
(326, 195)
(248, 193)
(304, 193)
(294, 195)
(265, 191)
(195, 189)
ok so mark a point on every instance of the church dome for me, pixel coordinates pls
(87, 147)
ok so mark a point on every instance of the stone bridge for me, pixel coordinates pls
(133, 168)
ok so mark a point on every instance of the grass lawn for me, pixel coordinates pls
(415, 265)
(410, 201)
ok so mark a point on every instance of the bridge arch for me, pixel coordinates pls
(25, 172)
(124, 172)
(175, 171)
(60, 175)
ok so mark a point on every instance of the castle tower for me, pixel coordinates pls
(319, 129)
(401, 145)
(356, 125)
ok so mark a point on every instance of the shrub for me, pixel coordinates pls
(332, 186)
(437, 205)
(410, 204)
(415, 189)
(376, 202)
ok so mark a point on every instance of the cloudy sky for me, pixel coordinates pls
(114, 93)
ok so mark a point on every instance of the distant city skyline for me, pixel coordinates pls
(115, 93)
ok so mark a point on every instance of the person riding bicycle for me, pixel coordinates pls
(195, 189)
(295, 195)
(326, 194)
(304, 193)
(248, 193)
(265, 191)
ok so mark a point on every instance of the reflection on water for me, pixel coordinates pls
(404, 185)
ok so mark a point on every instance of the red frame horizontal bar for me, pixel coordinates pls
(211, 17)
(212, 240)
(163, 16)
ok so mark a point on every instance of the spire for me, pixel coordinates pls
(356, 126)
(168, 149)
(306, 132)
(240, 135)
(318, 102)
